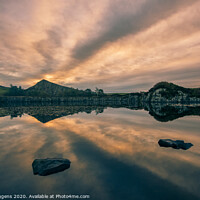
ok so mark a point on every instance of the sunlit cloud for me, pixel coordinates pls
(118, 45)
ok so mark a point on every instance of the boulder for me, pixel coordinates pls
(44, 167)
(176, 144)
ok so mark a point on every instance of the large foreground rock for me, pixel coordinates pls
(44, 167)
(176, 144)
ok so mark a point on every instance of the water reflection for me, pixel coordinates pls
(160, 112)
(114, 154)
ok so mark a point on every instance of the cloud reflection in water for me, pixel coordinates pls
(116, 149)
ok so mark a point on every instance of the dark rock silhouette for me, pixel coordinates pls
(176, 144)
(44, 167)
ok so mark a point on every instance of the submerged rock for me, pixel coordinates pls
(44, 167)
(176, 144)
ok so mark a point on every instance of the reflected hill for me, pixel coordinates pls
(170, 112)
(46, 113)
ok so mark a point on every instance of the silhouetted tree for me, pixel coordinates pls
(15, 91)
(99, 92)
(88, 92)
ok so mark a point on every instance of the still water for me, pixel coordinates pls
(114, 155)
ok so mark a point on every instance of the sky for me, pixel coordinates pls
(116, 45)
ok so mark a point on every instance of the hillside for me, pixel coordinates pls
(4, 90)
(169, 92)
(45, 88)
(172, 89)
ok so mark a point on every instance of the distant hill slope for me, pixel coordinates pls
(4, 90)
(45, 88)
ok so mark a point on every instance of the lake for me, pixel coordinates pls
(114, 153)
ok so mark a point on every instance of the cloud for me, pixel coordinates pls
(120, 22)
(47, 49)
(114, 45)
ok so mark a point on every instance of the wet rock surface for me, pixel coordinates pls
(44, 167)
(176, 144)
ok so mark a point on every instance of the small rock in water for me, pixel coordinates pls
(176, 144)
(44, 167)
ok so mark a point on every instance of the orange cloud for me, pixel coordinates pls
(101, 43)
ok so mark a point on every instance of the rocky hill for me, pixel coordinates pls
(169, 92)
(45, 88)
